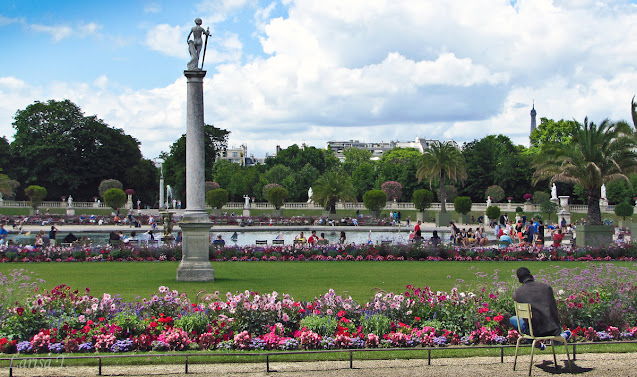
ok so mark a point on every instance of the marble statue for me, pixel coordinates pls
(246, 205)
(309, 195)
(554, 192)
(195, 45)
(70, 201)
(488, 202)
(603, 191)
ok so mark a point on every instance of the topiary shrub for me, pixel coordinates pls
(624, 209)
(36, 195)
(493, 212)
(422, 199)
(276, 196)
(115, 198)
(462, 204)
(217, 198)
(375, 201)
(107, 184)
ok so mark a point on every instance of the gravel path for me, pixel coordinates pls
(590, 364)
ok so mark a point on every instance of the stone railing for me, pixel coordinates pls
(476, 207)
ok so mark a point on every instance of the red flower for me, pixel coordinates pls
(89, 322)
(19, 310)
(153, 324)
(417, 319)
(341, 313)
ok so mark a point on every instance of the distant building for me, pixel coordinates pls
(378, 149)
(239, 155)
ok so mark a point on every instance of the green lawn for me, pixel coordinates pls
(302, 280)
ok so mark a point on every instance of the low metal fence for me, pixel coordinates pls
(268, 355)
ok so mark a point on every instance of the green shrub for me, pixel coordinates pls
(493, 212)
(496, 192)
(422, 199)
(277, 196)
(376, 323)
(624, 209)
(324, 326)
(197, 322)
(36, 195)
(462, 204)
(217, 198)
(115, 198)
(375, 201)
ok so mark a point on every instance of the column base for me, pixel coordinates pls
(195, 262)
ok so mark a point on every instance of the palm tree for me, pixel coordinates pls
(331, 188)
(597, 155)
(439, 162)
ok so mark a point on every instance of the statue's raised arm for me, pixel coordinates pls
(195, 44)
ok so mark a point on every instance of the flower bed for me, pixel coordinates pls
(597, 303)
(334, 252)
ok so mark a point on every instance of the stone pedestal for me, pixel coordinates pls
(70, 211)
(195, 262)
(442, 219)
(594, 235)
(246, 212)
(528, 207)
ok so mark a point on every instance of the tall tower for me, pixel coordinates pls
(533, 123)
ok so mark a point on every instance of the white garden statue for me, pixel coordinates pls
(554, 192)
(603, 191)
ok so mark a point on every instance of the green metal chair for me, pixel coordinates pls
(523, 312)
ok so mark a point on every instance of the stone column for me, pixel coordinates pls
(195, 224)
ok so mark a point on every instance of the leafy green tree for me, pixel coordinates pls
(462, 204)
(550, 131)
(363, 178)
(619, 191)
(493, 212)
(422, 199)
(633, 111)
(548, 207)
(8, 186)
(440, 162)
(375, 201)
(496, 192)
(36, 195)
(296, 157)
(143, 177)
(217, 198)
(598, 154)
(277, 196)
(400, 165)
(354, 157)
(540, 197)
(62, 149)
(107, 184)
(277, 173)
(115, 198)
(243, 182)
(331, 188)
(495, 160)
(215, 140)
(624, 209)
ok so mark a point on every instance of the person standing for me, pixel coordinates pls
(342, 238)
(52, 234)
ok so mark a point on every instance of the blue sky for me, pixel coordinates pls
(294, 71)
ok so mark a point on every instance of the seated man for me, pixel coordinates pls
(545, 319)
(219, 242)
(313, 238)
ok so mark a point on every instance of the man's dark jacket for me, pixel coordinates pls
(545, 319)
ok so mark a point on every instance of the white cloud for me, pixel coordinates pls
(57, 32)
(381, 70)
(152, 8)
(7, 21)
(168, 39)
